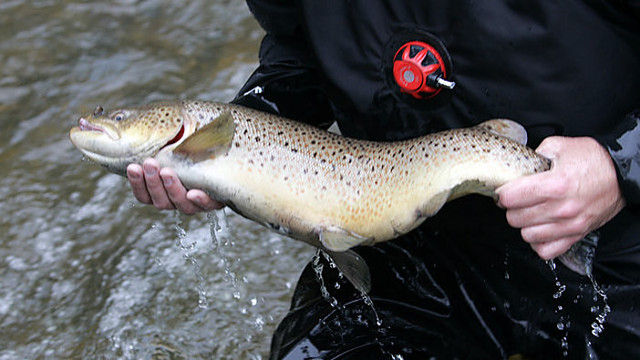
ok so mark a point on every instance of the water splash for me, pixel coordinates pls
(218, 228)
(580, 259)
(367, 300)
(186, 247)
(506, 263)
(587, 252)
(597, 326)
(318, 267)
(381, 338)
(564, 321)
(561, 289)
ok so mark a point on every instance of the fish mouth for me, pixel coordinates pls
(85, 125)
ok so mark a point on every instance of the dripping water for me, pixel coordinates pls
(218, 228)
(586, 253)
(318, 267)
(564, 323)
(597, 326)
(506, 263)
(580, 258)
(186, 247)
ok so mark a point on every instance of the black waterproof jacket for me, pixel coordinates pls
(465, 285)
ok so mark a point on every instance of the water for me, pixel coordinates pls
(318, 267)
(85, 272)
(564, 322)
(600, 310)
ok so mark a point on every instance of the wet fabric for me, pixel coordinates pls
(452, 294)
(465, 285)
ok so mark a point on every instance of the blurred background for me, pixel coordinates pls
(85, 271)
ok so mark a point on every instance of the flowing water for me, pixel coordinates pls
(86, 272)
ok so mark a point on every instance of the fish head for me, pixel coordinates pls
(117, 138)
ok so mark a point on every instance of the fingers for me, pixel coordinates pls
(545, 212)
(176, 195)
(163, 189)
(138, 184)
(556, 208)
(536, 189)
(521, 193)
(547, 232)
(203, 200)
(156, 187)
(552, 249)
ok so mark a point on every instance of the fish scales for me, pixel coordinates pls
(322, 188)
(377, 190)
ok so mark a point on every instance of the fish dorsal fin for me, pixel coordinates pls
(506, 128)
(354, 268)
(337, 239)
(209, 141)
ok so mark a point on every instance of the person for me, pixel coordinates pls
(471, 282)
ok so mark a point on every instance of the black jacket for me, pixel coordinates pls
(567, 68)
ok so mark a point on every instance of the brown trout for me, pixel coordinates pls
(330, 191)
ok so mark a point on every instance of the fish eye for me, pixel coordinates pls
(118, 117)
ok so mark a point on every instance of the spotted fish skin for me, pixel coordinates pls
(321, 187)
(328, 190)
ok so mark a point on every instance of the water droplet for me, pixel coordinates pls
(218, 226)
(318, 267)
(565, 346)
(367, 300)
(259, 322)
(506, 263)
(203, 301)
(598, 325)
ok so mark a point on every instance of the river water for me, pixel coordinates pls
(85, 271)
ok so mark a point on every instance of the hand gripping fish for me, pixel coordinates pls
(327, 190)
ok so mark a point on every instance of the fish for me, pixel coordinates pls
(315, 186)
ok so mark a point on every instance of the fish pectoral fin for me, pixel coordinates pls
(505, 128)
(354, 268)
(209, 141)
(337, 239)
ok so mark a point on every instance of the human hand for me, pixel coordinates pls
(557, 208)
(163, 189)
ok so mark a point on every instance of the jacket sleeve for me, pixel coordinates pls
(287, 81)
(624, 147)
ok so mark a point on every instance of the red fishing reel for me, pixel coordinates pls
(419, 70)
